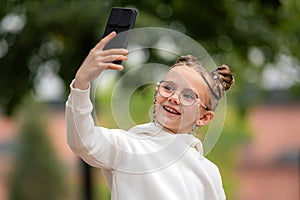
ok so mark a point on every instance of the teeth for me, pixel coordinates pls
(171, 110)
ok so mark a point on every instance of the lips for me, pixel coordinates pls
(171, 110)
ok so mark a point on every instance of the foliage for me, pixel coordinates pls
(37, 174)
(61, 31)
(247, 35)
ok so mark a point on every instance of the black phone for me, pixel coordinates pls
(120, 20)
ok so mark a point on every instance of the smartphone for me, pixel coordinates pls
(121, 20)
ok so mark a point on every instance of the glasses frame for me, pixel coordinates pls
(173, 92)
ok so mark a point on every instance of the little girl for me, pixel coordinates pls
(160, 160)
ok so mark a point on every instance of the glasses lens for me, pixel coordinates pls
(166, 90)
(186, 98)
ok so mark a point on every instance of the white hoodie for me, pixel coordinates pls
(145, 162)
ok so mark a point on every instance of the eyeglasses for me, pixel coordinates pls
(186, 98)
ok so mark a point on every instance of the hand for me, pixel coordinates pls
(97, 61)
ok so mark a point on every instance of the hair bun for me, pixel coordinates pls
(224, 74)
(186, 59)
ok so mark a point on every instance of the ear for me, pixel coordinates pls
(205, 118)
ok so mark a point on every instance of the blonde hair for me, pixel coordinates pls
(217, 81)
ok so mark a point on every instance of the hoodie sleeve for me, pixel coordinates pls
(96, 145)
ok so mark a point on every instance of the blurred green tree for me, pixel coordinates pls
(35, 32)
(251, 36)
(37, 172)
(258, 39)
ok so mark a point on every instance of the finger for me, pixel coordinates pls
(114, 51)
(111, 58)
(105, 40)
(115, 67)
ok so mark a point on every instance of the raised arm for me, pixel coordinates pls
(86, 140)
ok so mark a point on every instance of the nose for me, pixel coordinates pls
(174, 98)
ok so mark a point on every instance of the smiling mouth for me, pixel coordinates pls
(171, 110)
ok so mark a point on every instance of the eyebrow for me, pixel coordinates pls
(185, 89)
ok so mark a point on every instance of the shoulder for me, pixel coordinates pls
(213, 171)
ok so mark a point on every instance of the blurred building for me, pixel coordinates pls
(268, 167)
(7, 139)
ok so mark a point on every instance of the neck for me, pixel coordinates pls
(180, 131)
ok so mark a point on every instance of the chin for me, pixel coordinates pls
(167, 125)
(174, 126)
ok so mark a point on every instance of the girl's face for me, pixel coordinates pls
(170, 111)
